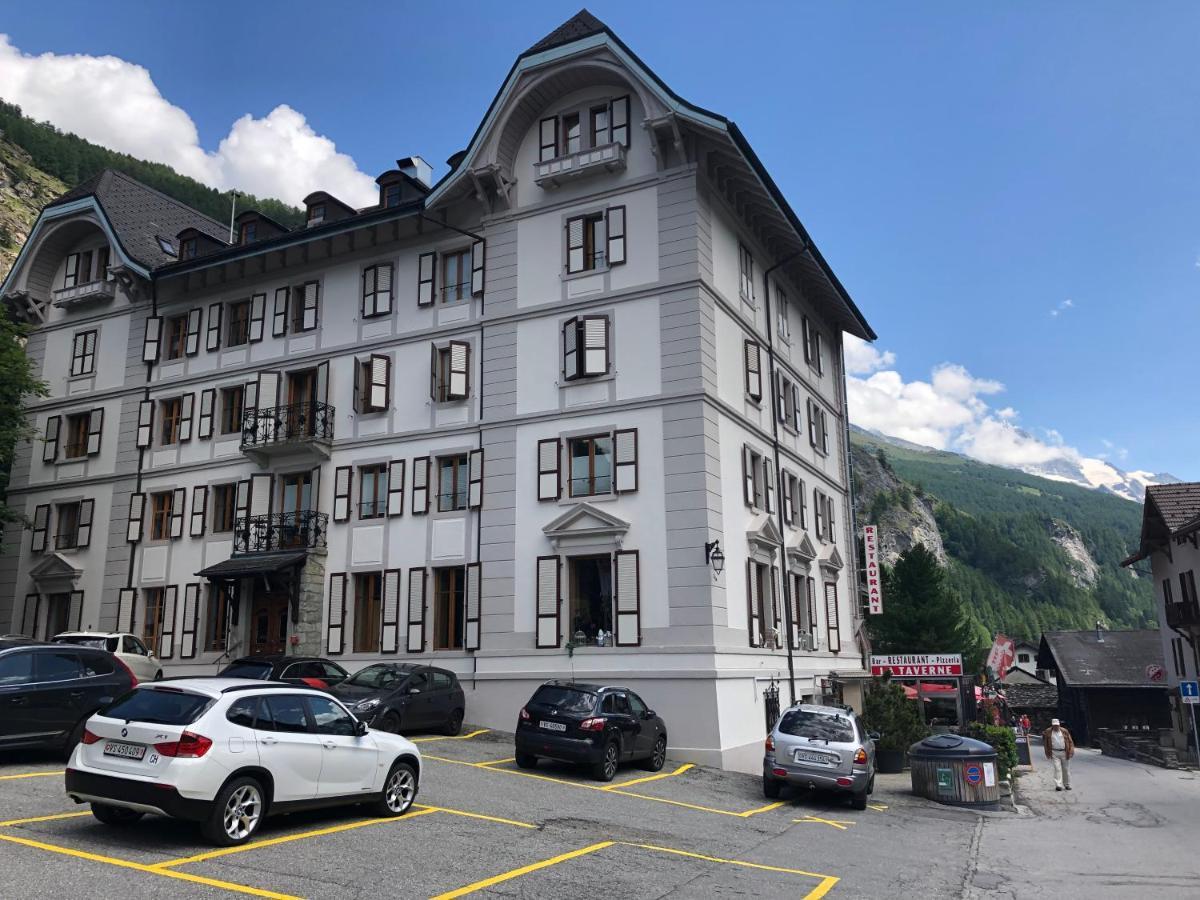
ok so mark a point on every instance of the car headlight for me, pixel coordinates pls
(364, 705)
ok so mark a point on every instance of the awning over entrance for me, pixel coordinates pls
(256, 564)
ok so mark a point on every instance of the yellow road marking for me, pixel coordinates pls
(473, 815)
(287, 838)
(524, 870)
(728, 862)
(455, 737)
(69, 815)
(878, 807)
(496, 762)
(166, 873)
(839, 824)
(762, 809)
(31, 775)
(660, 775)
(823, 888)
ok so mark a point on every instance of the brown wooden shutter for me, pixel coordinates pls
(806, 338)
(802, 500)
(786, 483)
(753, 371)
(199, 510)
(258, 312)
(628, 598)
(460, 371)
(126, 609)
(473, 621)
(748, 475)
(75, 611)
(343, 480)
(204, 425)
(383, 289)
(189, 619)
(548, 602)
(87, 509)
(152, 339)
(595, 345)
(420, 486)
(426, 278)
(312, 301)
(754, 623)
(768, 475)
(819, 512)
(335, 629)
(389, 621)
(415, 642)
(615, 218)
(137, 511)
(776, 609)
(625, 441)
(547, 138)
(50, 446)
(145, 429)
(95, 430)
(187, 407)
(166, 636)
(571, 350)
(178, 499)
(477, 268)
(279, 316)
(549, 479)
(213, 341)
(395, 494)
(191, 344)
(831, 617)
(576, 261)
(41, 527)
(475, 479)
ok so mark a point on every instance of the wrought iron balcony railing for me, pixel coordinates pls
(263, 428)
(305, 530)
(1183, 615)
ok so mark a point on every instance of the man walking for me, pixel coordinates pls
(1059, 747)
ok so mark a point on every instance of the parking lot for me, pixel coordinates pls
(483, 827)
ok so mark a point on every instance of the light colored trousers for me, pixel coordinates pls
(1062, 768)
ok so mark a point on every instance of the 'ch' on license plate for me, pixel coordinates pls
(126, 751)
(552, 726)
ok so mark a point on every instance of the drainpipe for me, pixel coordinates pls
(142, 450)
(774, 404)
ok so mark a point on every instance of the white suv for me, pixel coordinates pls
(226, 752)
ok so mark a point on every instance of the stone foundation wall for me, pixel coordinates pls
(309, 623)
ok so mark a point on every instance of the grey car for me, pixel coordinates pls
(820, 748)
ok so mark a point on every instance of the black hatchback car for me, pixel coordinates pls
(408, 696)
(313, 671)
(594, 725)
(48, 691)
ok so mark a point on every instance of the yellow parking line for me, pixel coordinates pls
(762, 809)
(474, 815)
(454, 737)
(524, 870)
(496, 762)
(287, 838)
(660, 775)
(166, 873)
(30, 775)
(728, 862)
(68, 815)
(878, 807)
(839, 824)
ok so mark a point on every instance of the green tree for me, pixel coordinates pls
(920, 612)
(17, 387)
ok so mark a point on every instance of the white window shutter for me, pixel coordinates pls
(426, 278)
(389, 634)
(473, 619)
(753, 621)
(189, 618)
(416, 611)
(625, 441)
(186, 409)
(95, 430)
(343, 478)
(258, 312)
(335, 630)
(312, 299)
(126, 609)
(748, 475)
(192, 343)
(75, 610)
(279, 315)
(753, 371)
(768, 485)
(619, 117)
(50, 446)
(477, 268)
(137, 510)
(395, 494)
(145, 429)
(475, 479)
(199, 510)
(575, 248)
(460, 363)
(616, 235)
(204, 426)
(571, 367)
(166, 639)
(383, 288)
(776, 609)
(831, 617)
(178, 501)
(628, 598)
(213, 341)
(812, 423)
(87, 510)
(379, 392)
(152, 339)
(595, 345)
(420, 486)
(41, 528)
(548, 604)
(786, 481)
(549, 480)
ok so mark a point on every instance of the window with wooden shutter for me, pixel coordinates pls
(71, 272)
(75, 610)
(459, 384)
(199, 510)
(776, 610)
(306, 317)
(192, 342)
(415, 642)
(279, 315)
(472, 633)
(377, 290)
(549, 480)
(177, 504)
(548, 139)
(796, 609)
(426, 278)
(819, 513)
(389, 619)
(768, 481)
(812, 423)
(126, 609)
(548, 602)
(152, 339)
(395, 491)
(475, 479)
(343, 477)
(145, 429)
(626, 459)
(595, 345)
(204, 425)
(137, 510)
(753, 600)
(379, 391)
(786, 481)
(50, 445)
(95, 430)
(571, 349)
(186, 409)
(576, 256)
(213, 341)
(824, 432)
(745, 274)
(189, 619)
(258, 312)
(83, 353)
(620, 121)
(335, 628)
(420, 486)
(749, 477)
(616, 235)
(628, 598)
(83, 533)
(831, 617)
(166, 635)
(753, 371)
(41, 528)
(478, 260)
(829, 516)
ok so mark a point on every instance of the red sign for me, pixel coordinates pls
(1155, 672)
(871, 564)
(1000, 660)
(974, 774)
(918, 665)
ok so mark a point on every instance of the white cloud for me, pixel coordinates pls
(116, 104)
(1062, 307)
(863, 358)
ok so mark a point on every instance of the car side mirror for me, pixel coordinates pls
(360, 727)
(649, 714)
(414, 690)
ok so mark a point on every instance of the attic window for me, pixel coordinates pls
(249, 232)
(391, 195)
(166, 246)
(316, 214)
(187, 248)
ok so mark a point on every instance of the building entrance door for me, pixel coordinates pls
(268, 623)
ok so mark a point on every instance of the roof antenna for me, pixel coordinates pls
(233, 198)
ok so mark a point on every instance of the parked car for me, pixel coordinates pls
(47, 691)
(129, 647)
(313, 671)
(820, 748)
(594, 725)
(408, 696)
(227, 753)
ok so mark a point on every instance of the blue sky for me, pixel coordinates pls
(966, 168)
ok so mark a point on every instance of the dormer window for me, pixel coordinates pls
(188, 249)
(248, 233)
(391, 195)
(316, 214)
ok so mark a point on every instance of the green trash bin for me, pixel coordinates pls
(955, 770)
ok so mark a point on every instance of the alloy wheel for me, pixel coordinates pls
(660, 753)
(400, 790)
(610, 761)
(242, 812)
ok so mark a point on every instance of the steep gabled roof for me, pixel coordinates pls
(140, 215)
(1120, 660)
(582, 24)
(1171, 510)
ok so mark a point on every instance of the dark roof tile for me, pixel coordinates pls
(1120, 660)
(1178, 504)
(581, 25)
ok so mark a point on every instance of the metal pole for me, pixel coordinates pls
(233, 195)
(1195, 733)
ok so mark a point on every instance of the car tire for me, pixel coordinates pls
(658, 756)
(871, 785)
(237, 813)
(73, 738)
(115, 815)
(771, 787)
(389, 722)
(858, 800)
(454, 723)
(526, 760)
(399, 791)
(606, 768)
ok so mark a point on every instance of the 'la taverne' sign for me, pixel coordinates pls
(922, 665)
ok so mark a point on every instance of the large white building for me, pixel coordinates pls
(513, 422)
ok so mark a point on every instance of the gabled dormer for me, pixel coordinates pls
(252, 226)
(192, 243)
(407, 182)
(321, 207)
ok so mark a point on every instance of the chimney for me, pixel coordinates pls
(1099, 632)
(415, 167)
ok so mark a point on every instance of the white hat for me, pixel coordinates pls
(1055, 722)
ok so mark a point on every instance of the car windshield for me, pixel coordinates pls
(376, 677)
(817, 726)
(162, 706)
(565, 699)
(87, 640)
(247, 669)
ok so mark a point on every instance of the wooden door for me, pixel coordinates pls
(268, 623)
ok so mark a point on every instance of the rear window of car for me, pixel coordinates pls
(817, 726)
(565, 699)
(261, 671)
(162, 706)
(96, 664)
(84, 640)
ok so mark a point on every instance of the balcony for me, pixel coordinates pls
(297, 433)
(580, 164)
(100, 291)
(1183, 615)
(305, 530)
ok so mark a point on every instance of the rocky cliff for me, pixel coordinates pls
(24, 190)
(882, 498)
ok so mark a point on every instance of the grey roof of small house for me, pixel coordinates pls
(1120, 660)
(1031, 696)
(140, 215)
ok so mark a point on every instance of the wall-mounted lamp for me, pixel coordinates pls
(714, 557)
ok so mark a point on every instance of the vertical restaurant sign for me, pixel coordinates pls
(871, 561)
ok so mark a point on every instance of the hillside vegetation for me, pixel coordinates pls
(1025, 554)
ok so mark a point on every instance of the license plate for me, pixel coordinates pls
(123, 750)
(805, 756)
(552, 726)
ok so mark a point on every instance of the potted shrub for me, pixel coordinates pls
(891, 715)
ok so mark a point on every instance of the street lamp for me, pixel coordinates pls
(714, 557)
